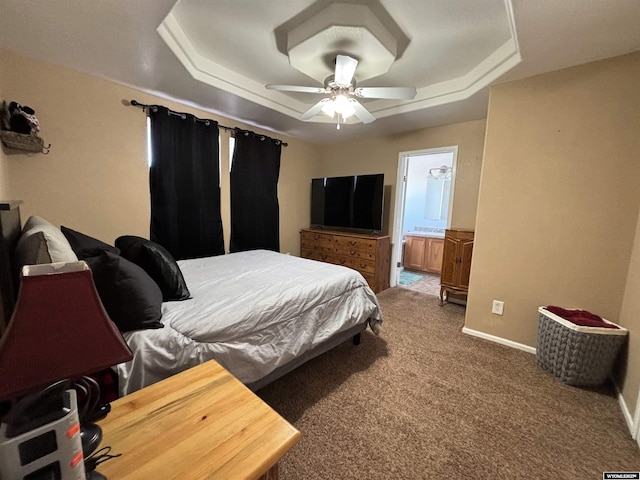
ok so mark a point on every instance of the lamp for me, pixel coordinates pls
(59, 330)
(341, 105)
(440, 172)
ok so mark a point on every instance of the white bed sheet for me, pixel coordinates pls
(252, 312)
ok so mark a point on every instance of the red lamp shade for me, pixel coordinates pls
(59, 329)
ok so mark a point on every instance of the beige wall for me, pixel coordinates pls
(559, 199)
(380, 155)
(95, 179)
(628, 377)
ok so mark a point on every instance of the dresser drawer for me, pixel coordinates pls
(314, 254)
(359, 264)
(324, 245)
(353, 262)
(315, 237)
(368, 254)
(371, 279)
(354, 243)
(355, 252)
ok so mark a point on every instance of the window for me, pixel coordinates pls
(232, 147)
(149, 152)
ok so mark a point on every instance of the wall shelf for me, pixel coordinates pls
(23, 143)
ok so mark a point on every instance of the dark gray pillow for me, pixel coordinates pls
(158, 263)
(42, 242)
(85, 246)
(130, 297)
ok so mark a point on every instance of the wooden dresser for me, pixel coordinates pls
(456, 263)
(368, 254)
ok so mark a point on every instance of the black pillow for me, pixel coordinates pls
(85, 246)
(158, 263)
(130, 297)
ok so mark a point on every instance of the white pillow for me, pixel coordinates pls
(42, 242)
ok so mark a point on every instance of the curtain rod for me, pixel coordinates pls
(154, 108)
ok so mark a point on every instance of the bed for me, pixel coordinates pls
(259, 313)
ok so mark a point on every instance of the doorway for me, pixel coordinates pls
(424, 202)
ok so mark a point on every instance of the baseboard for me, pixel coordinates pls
(635, 433)
(625, 410)
(635, 428)
(500, 340)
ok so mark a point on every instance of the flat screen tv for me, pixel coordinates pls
(352, 203)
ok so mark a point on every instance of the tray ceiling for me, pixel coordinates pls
(218, 55)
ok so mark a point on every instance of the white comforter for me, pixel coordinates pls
(252, 312)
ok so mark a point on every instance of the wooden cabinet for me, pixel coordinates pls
(456, 263)
(423, 253)
(435, 251)
(368, 254)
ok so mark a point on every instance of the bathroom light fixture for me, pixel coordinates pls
(439, 171)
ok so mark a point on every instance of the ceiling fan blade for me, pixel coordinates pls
(313, 111)
(402, 93)
(295, 88)
(362, 113)
(345, 68)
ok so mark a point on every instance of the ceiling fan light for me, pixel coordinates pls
(329, 108)
(347, 111)
(341, 102)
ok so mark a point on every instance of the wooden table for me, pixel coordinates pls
(199, 424)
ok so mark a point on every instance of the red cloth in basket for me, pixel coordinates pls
(580, 317)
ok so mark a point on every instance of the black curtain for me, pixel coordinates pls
(255, 216)
(184, 180)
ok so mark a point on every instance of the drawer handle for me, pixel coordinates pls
(363, 265)
(352, 252)
(352, 243)
(342, 261)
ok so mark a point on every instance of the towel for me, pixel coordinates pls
(580, 317)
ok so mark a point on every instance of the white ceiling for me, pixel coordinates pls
(217, 55)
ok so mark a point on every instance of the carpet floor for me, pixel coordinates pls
(425, 401)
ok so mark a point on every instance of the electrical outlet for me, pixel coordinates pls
(497, 307)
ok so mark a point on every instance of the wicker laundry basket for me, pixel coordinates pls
(577, 355)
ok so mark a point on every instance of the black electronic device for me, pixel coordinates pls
(349, 203)
(40, 437)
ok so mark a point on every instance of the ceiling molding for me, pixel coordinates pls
(208, 71)
(218, 76)
(447, 50)
(497, 64)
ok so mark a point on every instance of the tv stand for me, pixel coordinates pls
(368, 254)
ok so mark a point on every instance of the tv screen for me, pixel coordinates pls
(348, 203)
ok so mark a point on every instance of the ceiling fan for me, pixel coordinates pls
(341, 88)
